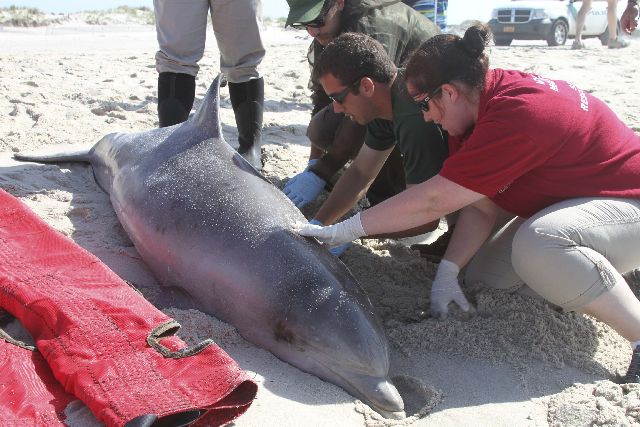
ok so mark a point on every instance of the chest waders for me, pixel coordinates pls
(104, 343)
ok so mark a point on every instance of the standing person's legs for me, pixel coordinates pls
(580, 19)
(236, 24)
(573, 254)
(181, 27)
(612, 21)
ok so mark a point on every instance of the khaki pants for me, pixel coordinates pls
(569, 253)
(181, 26)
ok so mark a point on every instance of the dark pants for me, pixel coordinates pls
(324, 130)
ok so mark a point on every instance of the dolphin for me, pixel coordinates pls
(204, 220)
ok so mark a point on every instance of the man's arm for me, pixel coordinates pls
(415, 231)
(353, 184)
(422, 203)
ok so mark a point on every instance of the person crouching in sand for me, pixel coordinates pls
(547, 178)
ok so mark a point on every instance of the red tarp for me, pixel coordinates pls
(42, 402)
(92, 329)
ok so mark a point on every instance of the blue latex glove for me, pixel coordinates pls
(339, 250)
(304, 187)
(336, 251)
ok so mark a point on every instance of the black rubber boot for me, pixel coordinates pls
(247, 100)
(176, 92)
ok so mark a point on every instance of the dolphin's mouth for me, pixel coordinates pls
(377, 392)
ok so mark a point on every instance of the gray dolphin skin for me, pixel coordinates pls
(205, 221)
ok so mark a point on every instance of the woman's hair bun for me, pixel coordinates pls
(475, 39)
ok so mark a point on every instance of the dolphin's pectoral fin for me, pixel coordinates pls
(96, 178)
(242, 164)
(169, 328)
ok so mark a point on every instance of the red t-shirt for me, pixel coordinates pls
(539, 141)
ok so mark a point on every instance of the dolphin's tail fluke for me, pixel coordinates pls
(78, 155)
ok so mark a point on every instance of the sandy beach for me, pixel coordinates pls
(516, 362)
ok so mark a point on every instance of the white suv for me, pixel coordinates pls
(550, 20)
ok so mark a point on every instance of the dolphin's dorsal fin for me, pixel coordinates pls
(207, 116)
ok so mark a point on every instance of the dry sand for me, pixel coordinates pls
(516, 362)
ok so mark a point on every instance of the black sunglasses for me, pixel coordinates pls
(316, 23)
(424, 104)
(340, 96)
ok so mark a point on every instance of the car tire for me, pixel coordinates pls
(559, 33)
(502, 41)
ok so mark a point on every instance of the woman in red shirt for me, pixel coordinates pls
(546, 178)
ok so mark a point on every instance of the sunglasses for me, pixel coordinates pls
(340, 96)
(424, 104)
(316, 23)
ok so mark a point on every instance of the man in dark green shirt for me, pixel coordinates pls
(365, 85)
(334, 138)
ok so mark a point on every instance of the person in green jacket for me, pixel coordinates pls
(335, 138)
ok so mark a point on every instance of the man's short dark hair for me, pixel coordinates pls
(352, 56)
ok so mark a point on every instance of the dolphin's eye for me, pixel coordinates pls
(282, 333)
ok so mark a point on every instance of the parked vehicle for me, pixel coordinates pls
(550, 20)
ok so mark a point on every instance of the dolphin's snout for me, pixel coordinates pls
(388, 398)
(380, 394)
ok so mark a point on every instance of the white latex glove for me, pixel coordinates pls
(445, 288)
(336, 251)
(333, 235)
